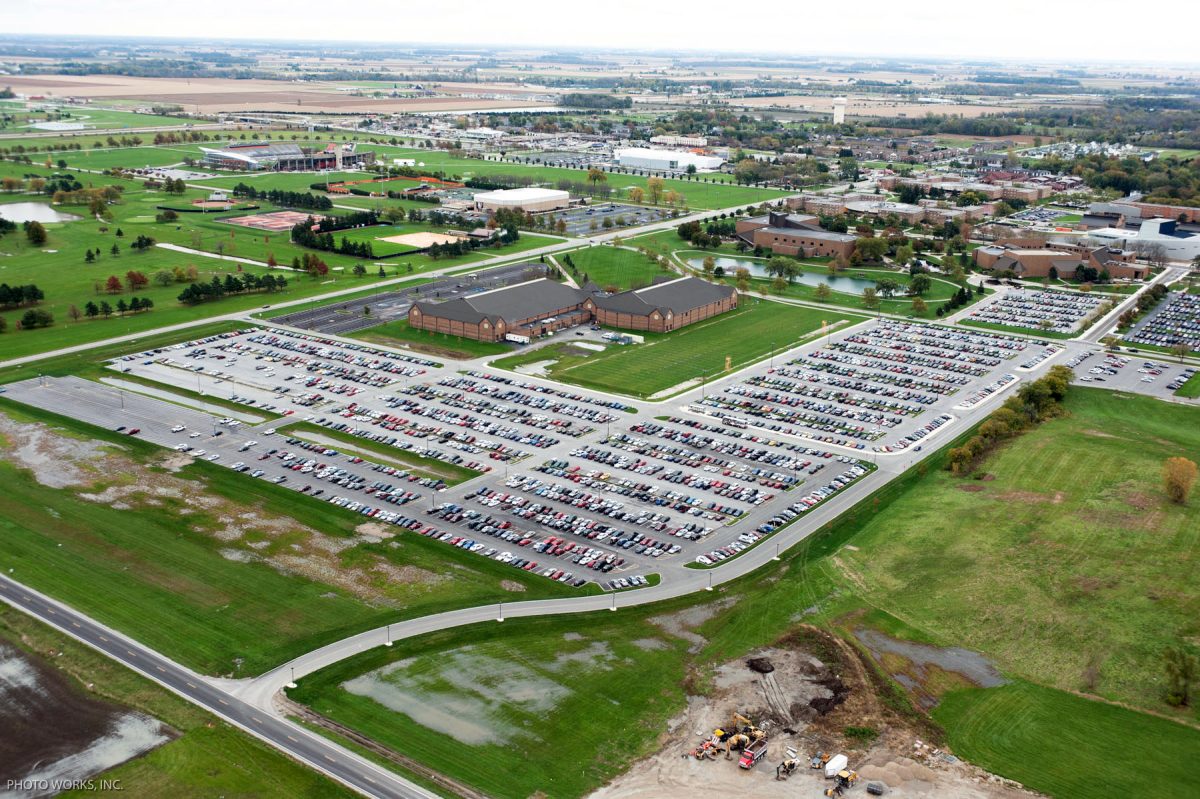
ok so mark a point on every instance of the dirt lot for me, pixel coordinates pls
(807, 702)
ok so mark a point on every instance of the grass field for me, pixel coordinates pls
(666, 360)
(398, 333)
(613, 266)
(1027, 733)
(1038, 586)
(209, 758)
(158, 566)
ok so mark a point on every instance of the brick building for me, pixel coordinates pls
(793, 234)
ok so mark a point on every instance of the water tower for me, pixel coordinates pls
(839, 110)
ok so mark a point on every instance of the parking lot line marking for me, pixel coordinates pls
(102, 638)
(293, 740)
(222, 701)
(190, 684)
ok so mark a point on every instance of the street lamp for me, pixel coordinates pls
(501, 616)
(388, 642)
(709, 587)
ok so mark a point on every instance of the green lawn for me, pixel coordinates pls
(1030, 734)
(613, 266)
(1028, 331)
(398, 333)
(209, 758)
(166, 578)
(748, 334)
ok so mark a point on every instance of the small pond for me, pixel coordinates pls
(849, 285)
(34, 212)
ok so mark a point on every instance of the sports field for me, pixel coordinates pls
(683, 358)
(613, 266)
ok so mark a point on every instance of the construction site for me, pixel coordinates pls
(801, 718)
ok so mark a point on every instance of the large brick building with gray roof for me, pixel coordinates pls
(542, 306)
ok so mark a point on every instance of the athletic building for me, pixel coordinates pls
(285, 157)
(538, 307)
(532, 200)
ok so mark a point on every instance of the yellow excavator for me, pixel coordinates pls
(789, 765)
(738, 742)
(844, 781)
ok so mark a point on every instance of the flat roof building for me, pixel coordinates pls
(532, 200)
(794, 234)
(667, 160)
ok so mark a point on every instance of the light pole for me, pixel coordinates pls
(614, 602)
(501, 616)
(709, 586)
(388, 642)
(776, 551)
(292, 684)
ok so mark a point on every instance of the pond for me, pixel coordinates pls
(848, 285)
(34, 212)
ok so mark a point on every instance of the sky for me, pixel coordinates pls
(1076, 31)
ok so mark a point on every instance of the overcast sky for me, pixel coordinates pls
(1031, 30)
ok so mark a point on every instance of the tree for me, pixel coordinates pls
(636, 195)
(596, 175)
(779, 285)
(105, 309)
(1181, 350)
(113, 284)
(74, 313)
(904, 254)
(1179, 474)
(887, 287)
(710, 266)
(919, 307)
(89, 256)
(919, 284)
(870, 298)
(36, 233)
(870, 248)
(784, 268)
(91, 310)
(1182, 667)
(823, 291)
(655, 187)
(115, 250)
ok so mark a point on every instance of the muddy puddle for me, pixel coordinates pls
(51, 733)
(924, 660)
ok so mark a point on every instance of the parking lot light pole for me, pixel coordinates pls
(388, 642)
(776, 551)
(709, 587)
(501, 616)
(292, 684)
(614, 603)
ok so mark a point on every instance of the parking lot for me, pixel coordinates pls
(388, 306)
(1136, 373)
(589, 219)
(571, 484)
(1036, 309)
(878, 388)
(1176, 320)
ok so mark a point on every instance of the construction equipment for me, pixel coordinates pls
(707, 750)
(753, 753)
(819, 760)
(738, 742)
(834, 765)
(788, 766)
(845, 780)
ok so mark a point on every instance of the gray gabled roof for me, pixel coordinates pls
(510, 303)
(677, 296)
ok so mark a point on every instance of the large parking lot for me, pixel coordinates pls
(1036, 309)
(1176, 320)
(880, 388)
(571, 484)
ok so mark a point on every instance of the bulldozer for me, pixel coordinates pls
(843, 781)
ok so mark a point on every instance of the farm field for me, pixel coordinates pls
(203, 564)
(985, 583)
(208, 758)
(666, 361)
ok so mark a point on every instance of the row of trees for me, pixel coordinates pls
(16, 296)
(287, 199)
(92, 310)
(1033, 403)
(232, 284)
